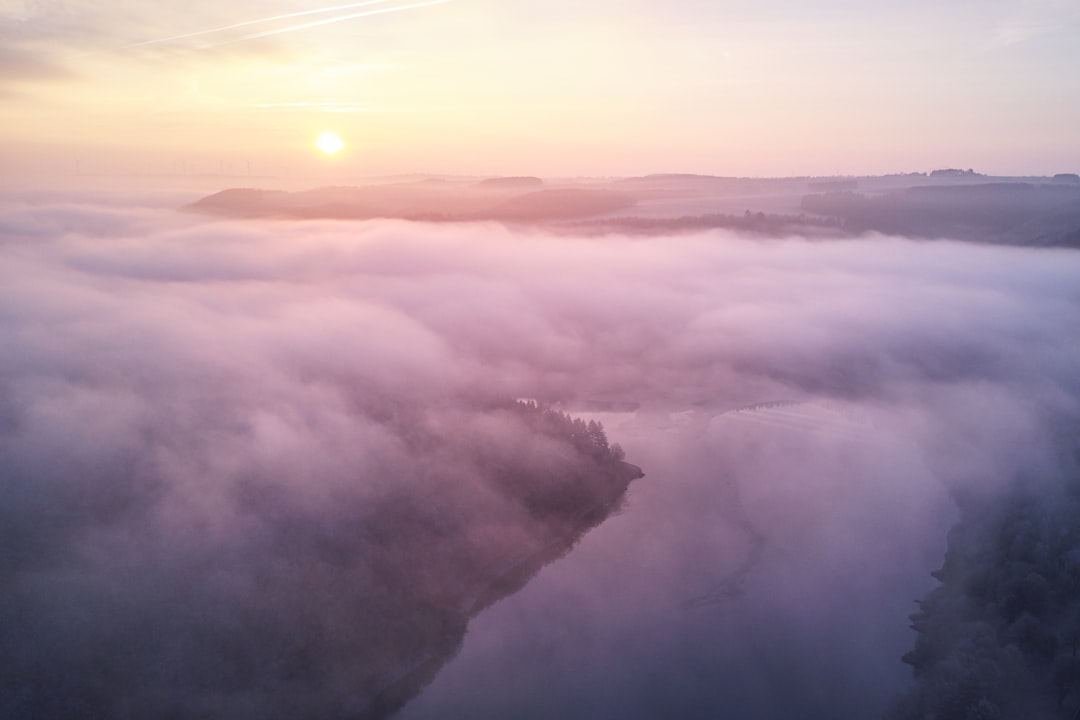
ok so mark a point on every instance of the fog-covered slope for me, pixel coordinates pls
(999, 638)
(282, 592)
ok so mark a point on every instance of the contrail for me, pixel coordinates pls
(272, 18)
(339, 18)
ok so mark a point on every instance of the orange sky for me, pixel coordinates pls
(775, 87)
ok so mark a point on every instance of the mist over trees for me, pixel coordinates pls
(999, 638)
(339, 604)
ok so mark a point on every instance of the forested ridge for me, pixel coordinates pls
(1000, 637)
(321, 597)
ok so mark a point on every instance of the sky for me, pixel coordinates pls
(561, 88)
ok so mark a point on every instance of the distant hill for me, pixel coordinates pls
(949, 203)
(1018, 213)
(709, 184)
(241, 201)
(423, 201)
(561, 204)
(511, 183)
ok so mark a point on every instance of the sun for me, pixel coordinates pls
(330, 143)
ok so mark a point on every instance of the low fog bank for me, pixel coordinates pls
(203, 423)
(250, 498)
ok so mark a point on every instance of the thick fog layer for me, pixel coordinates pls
(806, 413)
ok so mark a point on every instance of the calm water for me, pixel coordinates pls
(765, 567)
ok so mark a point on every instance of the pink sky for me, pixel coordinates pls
(502, 87)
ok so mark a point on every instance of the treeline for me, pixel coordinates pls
(1013, 213)
(1000, 637)
(587, 436)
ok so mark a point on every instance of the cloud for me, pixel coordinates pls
(19, 64)
(200, 421)
(262, 20)
(1033, 18)
(296, 27)
(75, 41)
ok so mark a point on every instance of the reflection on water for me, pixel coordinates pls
(764, 568)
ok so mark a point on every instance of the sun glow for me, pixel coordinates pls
(329, 143)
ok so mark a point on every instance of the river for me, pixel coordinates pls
(764, 568)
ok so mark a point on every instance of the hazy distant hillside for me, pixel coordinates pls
(511, 183)
(1013, 213)
(508, 199)
(711, 184)
(407, 200)
(956, 204)
(561, 204)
